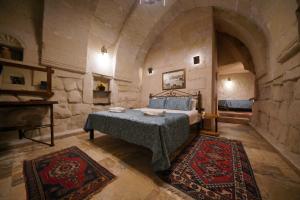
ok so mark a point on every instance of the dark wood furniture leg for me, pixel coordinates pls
(21, 134)
(199, 125)
(25, 128)
(51, 125)
(92, 134)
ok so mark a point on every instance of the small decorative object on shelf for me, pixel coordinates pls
(101, 87)
(43, 85)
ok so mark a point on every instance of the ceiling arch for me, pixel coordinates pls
(248, 33)
(134, 42)
(231, 50)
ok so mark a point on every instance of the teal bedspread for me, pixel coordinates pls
(162, 135)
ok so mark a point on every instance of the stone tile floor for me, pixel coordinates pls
(135, 179)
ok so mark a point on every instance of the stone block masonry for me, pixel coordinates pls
(71, 111)
(278, 114)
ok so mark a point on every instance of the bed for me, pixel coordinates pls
(235, 105)
(162, 134)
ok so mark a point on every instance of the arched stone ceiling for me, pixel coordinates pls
(147, 21)
(248, 33)
(231, 50)
(109, 18)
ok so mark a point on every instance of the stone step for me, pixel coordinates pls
(233, 120)
(246, 115)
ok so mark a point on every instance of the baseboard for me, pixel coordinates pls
(292, 158)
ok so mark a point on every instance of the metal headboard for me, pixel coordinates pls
(178, 93)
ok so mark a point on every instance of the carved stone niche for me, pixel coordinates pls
(10, 48)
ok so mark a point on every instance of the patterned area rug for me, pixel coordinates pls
(213, 168)
(66, 174)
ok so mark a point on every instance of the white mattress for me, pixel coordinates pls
(194, 116)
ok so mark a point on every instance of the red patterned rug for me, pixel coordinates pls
(67, 174)
(213, 168)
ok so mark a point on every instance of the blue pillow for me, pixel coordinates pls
(178, 103)
(158, 103)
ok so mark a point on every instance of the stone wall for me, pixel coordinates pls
(240, 86)
(276, 113)
(72, 90)
(71, 112)
(189, 35)
(72, 109)
(129, 30)
(23, 20)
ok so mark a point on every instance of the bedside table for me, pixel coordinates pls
(211, 116)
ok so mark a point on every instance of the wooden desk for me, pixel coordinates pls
(25, 128)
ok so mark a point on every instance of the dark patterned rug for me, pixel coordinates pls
(213, 168)
(66, 174)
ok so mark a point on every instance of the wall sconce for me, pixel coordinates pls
(150, 70)
(229, 84)
(103, 50)
(196, 60)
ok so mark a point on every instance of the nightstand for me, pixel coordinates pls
(211, 116)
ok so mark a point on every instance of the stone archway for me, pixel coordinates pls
(136, 43)
(11, 47)
(225, 21)
(235, 79)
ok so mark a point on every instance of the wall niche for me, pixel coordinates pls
(101, 89)
(10, 48)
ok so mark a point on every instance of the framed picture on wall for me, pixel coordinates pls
(173, 79)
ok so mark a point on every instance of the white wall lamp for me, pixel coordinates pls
(103, 57)
(229, 84)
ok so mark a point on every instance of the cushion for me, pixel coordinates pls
(158, 103)
(178, 103)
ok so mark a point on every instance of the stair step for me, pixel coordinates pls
(235, 114)
(233, 120)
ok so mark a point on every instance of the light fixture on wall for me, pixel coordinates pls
(103, 50)
(229, 84)
(150, 70)
(103, 58)
(196, 60)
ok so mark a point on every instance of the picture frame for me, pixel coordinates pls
(174, 79)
